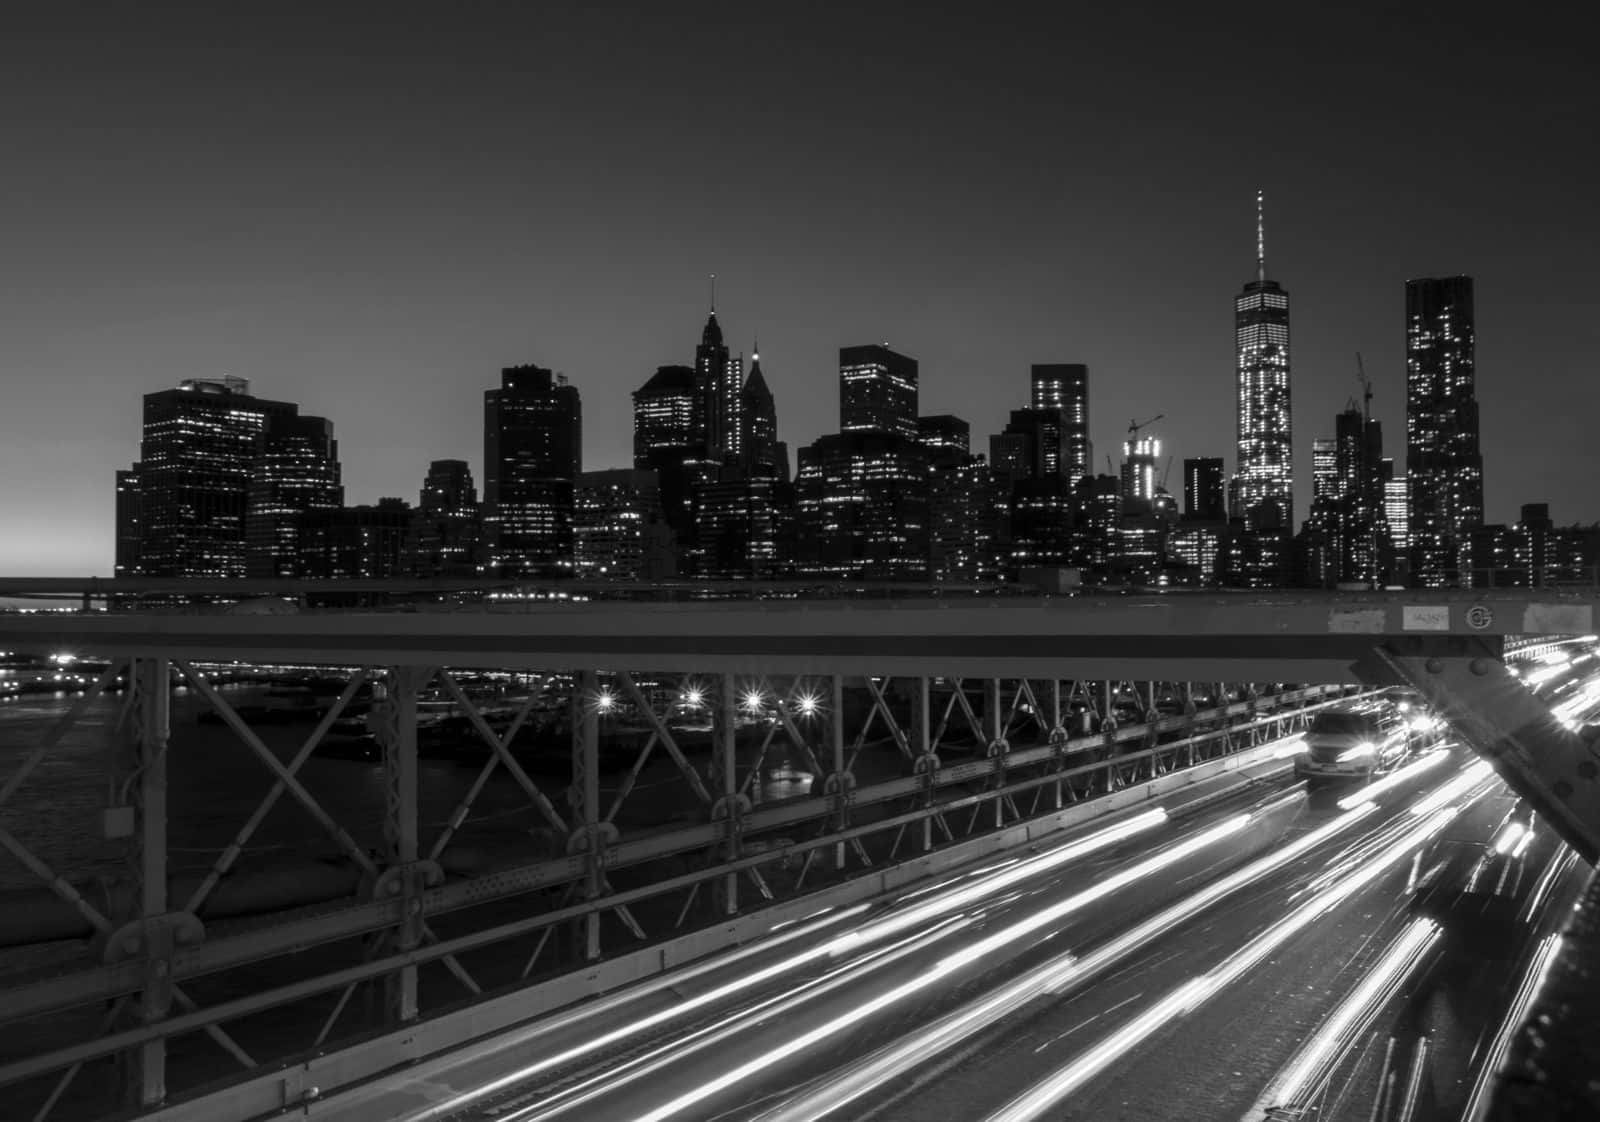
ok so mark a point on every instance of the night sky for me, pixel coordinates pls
(371, 213)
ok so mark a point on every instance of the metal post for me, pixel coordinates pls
(727, 742)
(151, 730)
(919, 719)
(400, 825)
(1055, 703)
(586, 789)
(994, 717)
(836, 685)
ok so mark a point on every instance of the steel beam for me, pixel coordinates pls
(1465, 682)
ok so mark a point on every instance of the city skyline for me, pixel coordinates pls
(323, 285)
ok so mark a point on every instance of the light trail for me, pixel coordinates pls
(1045, 1095)
(1394, 779)
(941, 970)
(1306, 1073)
(1471, 777)
(928, 911)
(1533, 979)
(674, 1051)
(1061, 973)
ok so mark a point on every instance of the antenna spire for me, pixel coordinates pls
(1261, 239)
(713, 294)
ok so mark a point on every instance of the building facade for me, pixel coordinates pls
(296, 472)
(1444, 466)
(1064, 387)
(1263, 487)
(447, 524)
(1204, 497)
(532, 455)
(877, 391)
(201, 447)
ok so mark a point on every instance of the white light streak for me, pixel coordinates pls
(1353, 1015)
(1044, 1096)
(1532, 982)
(1506, 840)
(1394, 779)
(942, 969)
(1460, 785)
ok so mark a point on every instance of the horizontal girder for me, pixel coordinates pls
(1303, 637)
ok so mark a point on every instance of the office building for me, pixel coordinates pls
(619, 530)
(669, 437)
(1444, 467)
(296, 471)
(1203, 495)
(969, 519)
(1263, 490)
(354, 543)
(946, 437)
(201, 446)
(862, 501)
(1064, 386)
(741, 525)
(760, 454)
(877, 391)
(532, 454)
(1140, 456)
(127, 517)
(447, 525)
(718, 383)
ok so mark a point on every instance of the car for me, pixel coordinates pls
(1355, 740)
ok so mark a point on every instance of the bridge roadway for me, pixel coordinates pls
(1180, 961)
(1448, 645)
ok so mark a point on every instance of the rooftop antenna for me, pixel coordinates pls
(1261, 238)
(713, 294)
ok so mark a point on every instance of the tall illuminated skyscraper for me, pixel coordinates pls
(719, 382)
(1139, 457)
(532, 454)
(1444, 466)
(1263, 487)
(201, 447)
(877, 391)
(1203, 499)
(1065, 386)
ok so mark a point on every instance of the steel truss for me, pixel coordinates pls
(881, 769)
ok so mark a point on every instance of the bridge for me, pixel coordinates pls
(922, 735)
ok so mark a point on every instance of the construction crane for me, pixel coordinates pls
(1135, 426)
(1167, 474)
(1366, 388)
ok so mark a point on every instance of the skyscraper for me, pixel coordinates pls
(1397, 509)
(532, 454)
(127, 515)
(1065, 386)
(719, 383)
(1139, 457)
(877, 391)
(760, 453)
(1203, 498)
(1263, 491)
(1324, 468)
(669, 437)
(1444, 466)
(297, 471)
(619, 533)
(446, 525)
(201, 446)
(947, 438)
(863, 506)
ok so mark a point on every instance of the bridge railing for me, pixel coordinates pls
(885, 784)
